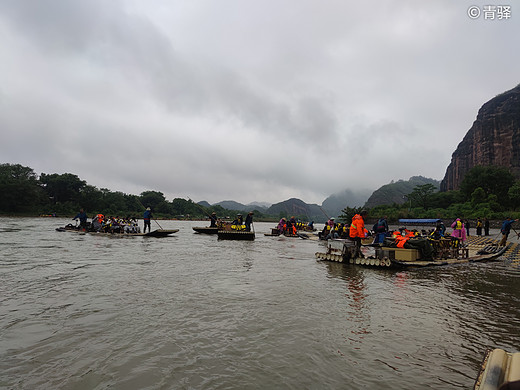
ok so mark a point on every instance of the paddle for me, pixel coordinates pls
(517, 234)
(200, 207)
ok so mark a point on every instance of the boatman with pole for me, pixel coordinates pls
(213, 219)
(506, 229)
(249, 221)
(147, 216)
(357, 230)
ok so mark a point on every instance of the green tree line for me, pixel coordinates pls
(485, 192)
(22, 192)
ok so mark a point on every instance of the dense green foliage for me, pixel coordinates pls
(488, 191)
(396, 191)
(23, 193)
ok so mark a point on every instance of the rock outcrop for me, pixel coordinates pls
(494, 139)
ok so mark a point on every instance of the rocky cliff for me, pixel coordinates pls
(494, 139)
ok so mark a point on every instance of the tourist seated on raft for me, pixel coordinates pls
(404, 238)
(436, 234)
(323, 234)
(334, 230)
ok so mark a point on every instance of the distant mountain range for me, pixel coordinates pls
(333, 205)
(232, 205)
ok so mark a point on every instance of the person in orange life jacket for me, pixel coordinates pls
(357, 230)
(97, 222)
(147, 216)
(288, 226)
(405, 235)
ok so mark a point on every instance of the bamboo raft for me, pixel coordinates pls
(235, 235)
(154, 233)
(476, 250)
(205, 230)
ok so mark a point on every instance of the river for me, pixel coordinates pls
(192, 312)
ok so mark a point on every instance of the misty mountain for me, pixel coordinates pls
(335, 203)
(395, 192)
(299, 209)
(232, 205)
(259, 205)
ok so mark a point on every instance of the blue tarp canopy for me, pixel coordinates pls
(419, 221)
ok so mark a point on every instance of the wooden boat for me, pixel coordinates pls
(499, 370)
(154, 233)
(229, 231)
(275, 233)
(205, 230)
(235, 235)
(343, 251)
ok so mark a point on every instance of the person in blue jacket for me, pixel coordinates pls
(82, 216)
(506, 229)
(147, 216)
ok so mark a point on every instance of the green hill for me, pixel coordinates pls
(299, 209)
(395, 191)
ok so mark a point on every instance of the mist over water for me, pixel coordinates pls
(82, 311)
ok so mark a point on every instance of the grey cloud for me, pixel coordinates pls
(280, 99)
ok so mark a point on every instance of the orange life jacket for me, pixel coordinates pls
(401, 240)
(357, 228)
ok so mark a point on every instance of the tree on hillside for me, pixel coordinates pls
(421, 195)
(348, 213)
(493, 180)
(478, 196)
(514, 195)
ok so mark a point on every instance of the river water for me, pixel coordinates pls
(192, 312)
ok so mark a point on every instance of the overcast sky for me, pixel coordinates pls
(247, 100)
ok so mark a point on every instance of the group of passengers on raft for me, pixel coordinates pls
(403, 238)
(103, 224)
(292, 226)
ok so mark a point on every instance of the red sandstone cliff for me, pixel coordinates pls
(494, 139)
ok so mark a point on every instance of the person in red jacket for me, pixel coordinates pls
(357, 231)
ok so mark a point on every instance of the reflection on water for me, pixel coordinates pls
(190, 311)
